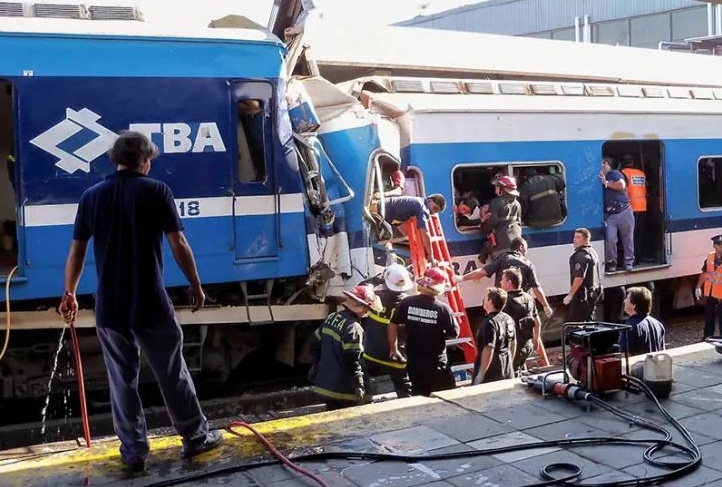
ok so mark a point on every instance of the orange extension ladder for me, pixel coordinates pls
(440, 253)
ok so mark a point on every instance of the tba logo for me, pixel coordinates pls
(74, 123)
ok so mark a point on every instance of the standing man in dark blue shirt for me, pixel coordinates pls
(618, 217)
(398, 210)
(127, 215)
(647, 333)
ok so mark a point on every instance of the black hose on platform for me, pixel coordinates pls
(554, 474)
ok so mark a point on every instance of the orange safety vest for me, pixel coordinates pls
(712, 278)
(636, 188)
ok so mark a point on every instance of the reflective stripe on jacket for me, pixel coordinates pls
(376, 342)
(712, 278)
(636, 188)
(337, 350)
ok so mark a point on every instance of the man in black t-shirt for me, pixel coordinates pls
(496, 341)
(429, 323)
(586, 288)
(520, 306)
(127, 215)
(515, 257)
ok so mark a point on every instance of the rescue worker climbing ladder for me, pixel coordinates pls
(440, 253)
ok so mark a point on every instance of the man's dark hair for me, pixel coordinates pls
(641, 299)
(514, 275)
(439, 200)
(516, 244)
(497, 296)
(131, 149)
(584, 232)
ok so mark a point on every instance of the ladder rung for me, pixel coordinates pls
(258, 296)
(435, 238)
(443, 263)
(458, 341)
(459, 313)
(458, 367)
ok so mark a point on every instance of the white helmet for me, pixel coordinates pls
(397, 278)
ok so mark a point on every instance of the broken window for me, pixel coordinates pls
(251, 141)
(474, 188)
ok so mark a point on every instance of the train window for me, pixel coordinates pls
(709, 175)
(251, 141)
(474, 190)
(542, 193)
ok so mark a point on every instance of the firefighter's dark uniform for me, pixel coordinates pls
(508, 260)
(376, 344)
(429, 323)
(520, 306)
(541, 200)
(496, 330)
(504, 222)
(336, 352)
(584, 262)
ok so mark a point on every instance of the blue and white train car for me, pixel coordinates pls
(214, 102)
(457, 141)
(456, 114)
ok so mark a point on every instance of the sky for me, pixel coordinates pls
(371, 12)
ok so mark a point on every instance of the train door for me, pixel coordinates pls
(8, 197)
(256, 204)
(642, 165)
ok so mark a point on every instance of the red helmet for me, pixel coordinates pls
(434, 279)
(508, 184)
(364, 294)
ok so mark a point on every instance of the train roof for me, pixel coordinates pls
(344, 53)
(132, 29)
(453, 95)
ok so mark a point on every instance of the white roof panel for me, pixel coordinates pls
(485, 54)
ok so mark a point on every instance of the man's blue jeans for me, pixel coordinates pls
(622, 222)
(162, 346)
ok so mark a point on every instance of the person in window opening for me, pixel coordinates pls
(392, 177)
(647, 333)
(11, 163)
(400, 209)
(251, 162)
(127, 215)
(709, 286)
(502, 222)
(468, 213)
(618, 217)
(541, 198)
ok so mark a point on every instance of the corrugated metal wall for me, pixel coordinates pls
(516, 17)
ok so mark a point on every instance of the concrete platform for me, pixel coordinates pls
(480, 417)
